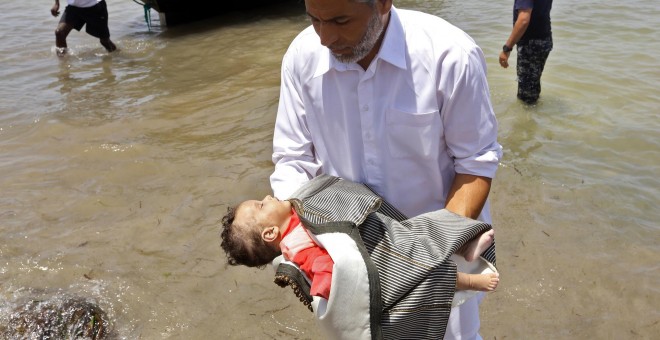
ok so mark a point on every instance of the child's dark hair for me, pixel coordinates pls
(243, 244)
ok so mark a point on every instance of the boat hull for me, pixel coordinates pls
(175, 12)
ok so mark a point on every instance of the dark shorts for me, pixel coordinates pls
(96, 18)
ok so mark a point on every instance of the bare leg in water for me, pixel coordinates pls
(108, 44)
(61, 32)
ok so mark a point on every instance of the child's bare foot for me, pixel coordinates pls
(478, 245)
(481, 282)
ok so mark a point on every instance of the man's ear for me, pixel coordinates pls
(385, 6)
(270, 234)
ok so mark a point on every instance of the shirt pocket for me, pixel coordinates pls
(413, 135)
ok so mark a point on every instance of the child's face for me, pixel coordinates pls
(265, 213)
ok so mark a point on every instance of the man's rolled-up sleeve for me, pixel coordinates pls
(468, 117)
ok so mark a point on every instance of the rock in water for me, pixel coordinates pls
(59, 318)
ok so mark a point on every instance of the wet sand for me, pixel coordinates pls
(557, 279)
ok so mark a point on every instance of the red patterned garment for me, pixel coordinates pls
(299, 247)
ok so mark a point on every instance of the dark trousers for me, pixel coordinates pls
(532, 55)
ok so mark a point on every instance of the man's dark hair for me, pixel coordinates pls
(243, 244)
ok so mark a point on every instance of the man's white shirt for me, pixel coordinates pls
(417, 115)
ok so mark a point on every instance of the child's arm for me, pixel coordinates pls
(322, 269)
(317, 264)
(480, 282)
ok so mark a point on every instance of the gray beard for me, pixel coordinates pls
(366, 44)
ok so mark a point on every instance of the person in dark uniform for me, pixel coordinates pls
(533, 36)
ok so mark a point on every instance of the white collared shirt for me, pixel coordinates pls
(83, 3)
(420, 113)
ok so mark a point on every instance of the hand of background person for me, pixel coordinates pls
(504, 59)
(55, 10)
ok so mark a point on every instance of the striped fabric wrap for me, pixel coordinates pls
(411, 278)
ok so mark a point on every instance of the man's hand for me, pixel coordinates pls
(55, 10)
(504, 59)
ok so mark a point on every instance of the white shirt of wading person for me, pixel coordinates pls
(83, 3)
(417, 115)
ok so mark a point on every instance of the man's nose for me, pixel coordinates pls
(268, 197)
(328, 34)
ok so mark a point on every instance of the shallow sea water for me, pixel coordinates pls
(116, 169)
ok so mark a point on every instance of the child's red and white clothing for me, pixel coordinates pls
(298, 247)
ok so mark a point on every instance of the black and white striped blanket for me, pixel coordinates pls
(393, 277)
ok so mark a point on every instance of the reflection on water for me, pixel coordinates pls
(117, 167)
(525, 142)
(79, 88)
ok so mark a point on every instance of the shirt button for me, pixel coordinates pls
(365, 108)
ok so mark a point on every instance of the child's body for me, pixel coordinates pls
(255, 232)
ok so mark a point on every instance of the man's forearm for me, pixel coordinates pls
(519, 28)
(468, 195)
